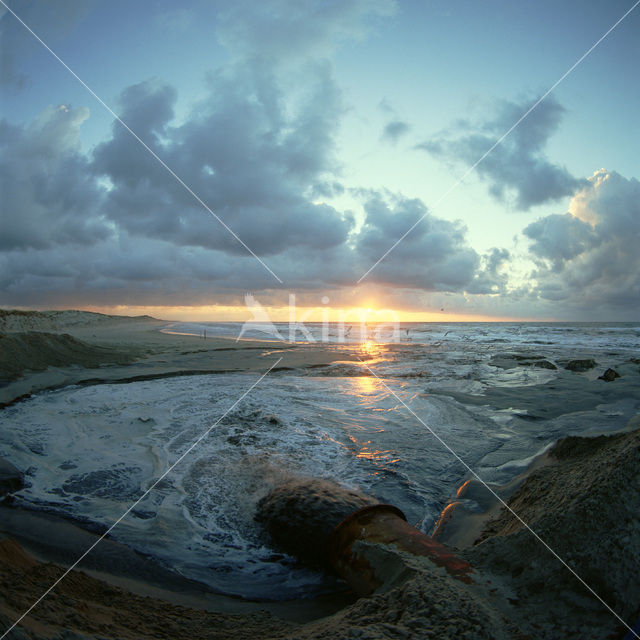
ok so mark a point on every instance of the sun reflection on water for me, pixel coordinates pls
(382, 459)
(366, 384)
(370, 349)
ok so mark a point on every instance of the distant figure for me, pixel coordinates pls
(205, 334)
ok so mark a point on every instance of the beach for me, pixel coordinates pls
(134, 396)
(120, 349)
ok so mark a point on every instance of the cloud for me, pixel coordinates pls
(175, 22)
(433, 257)
(259, 150)
(394, 130)
(492, 276)
(47, 189)
(560, 238)
(589, 257)
(73, 237)
(114, 227)
(518, 166)
(244, 151)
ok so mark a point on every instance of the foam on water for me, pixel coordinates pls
(91, 452)
(592, 337)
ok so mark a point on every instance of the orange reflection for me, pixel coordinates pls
(370, 349)
(366, 384)
(445, 517)
(462, 489)
(374, 455)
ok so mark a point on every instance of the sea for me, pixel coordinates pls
(423, 410)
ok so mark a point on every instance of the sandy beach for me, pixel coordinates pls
(581, 497)
(54, 349)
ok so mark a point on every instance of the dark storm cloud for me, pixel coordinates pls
(518, 165)
(559, 238)
(50, 20)
(129, 270)
(434, 256)
(59, 249)
(590, 256)
(243, 151)
(48, 195)
(394, 130)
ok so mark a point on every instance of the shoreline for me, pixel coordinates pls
(114, 351)
(53, 539)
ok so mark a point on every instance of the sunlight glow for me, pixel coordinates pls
(366, 385)
(240, 313)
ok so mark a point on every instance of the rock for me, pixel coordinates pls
(511, 360)
(609, 375)
(11, 479)
(580, 365)
(544, 364)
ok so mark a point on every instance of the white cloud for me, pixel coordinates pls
(283, 32)
(589, 257)
(518, 166)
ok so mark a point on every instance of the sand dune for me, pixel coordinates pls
(15, 320)
(36, 351)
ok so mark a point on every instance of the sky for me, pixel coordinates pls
(370, 154)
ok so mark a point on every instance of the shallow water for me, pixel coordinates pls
(92, 452)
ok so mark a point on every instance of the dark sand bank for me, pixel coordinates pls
(583, 500)
(37, 351)
(48, 538)
(430, 606)
(84, 607)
